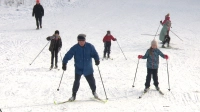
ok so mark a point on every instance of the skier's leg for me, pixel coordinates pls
(52, 58)
(109, 45)
(36, 18)
(76, 83)
(148, 78)
(40, 20)
(56, 58)
(155, 77)
(104, 53)
(91, 81)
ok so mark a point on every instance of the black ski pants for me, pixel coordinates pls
(90, 79)
(107, 46)
(38, 21)
(150, 72)
(54, 53)
(166, 40)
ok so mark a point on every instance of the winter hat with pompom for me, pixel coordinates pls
(154, 42)
(37, 1)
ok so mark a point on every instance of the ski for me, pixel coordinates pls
(107, 59)
(143, 93)
(160, 92)
(99, 99)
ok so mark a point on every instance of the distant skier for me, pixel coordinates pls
(107, 44)
(152, 56)
(164, 34)
(38, 12)
(55, 47)
(83, 52)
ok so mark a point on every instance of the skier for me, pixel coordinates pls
(107, 44)
(152, 56)
(83, 52)
(38, 11)
(164, 34)
(54, 48)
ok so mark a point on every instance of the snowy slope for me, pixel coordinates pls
(32, 88)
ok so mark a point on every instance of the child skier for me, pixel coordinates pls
(107, 44)
(54, 48)
(152, 56)
(164, 34)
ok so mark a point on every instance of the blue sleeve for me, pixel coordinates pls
(146, 55)
(69, 55)
(94, 53)
(161, 54)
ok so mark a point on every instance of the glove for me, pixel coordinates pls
(115, 39)
(48, 38)
(166, 57)
(97, 62)
(161, 22)
(140, 56)
(64, 66)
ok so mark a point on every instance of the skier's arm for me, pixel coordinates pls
(94, 53)
(69, 55)
(33, 13)
(42, 9)
(146, 55)
(50, 37)
(161, 54)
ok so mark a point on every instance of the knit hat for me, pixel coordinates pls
(154, 42)
(167, 15)
(38, 1)
(108, 32)
(81, 37)
(57, 32)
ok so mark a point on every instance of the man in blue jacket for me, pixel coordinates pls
(83, 52)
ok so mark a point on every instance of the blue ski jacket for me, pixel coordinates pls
(82, 58)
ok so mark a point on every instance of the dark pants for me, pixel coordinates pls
(90, 79)
(166, 40)
(38, 21)
(54, 53)
(150, 72)
(107, 46)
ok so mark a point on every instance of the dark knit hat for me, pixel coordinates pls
(57, 32)
(81, 37)
(108, 32)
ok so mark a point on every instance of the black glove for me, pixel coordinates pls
(161, 22)
(64, 66)
(115, 39)
(48, 38)
(97, 62)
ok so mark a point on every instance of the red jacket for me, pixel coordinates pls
(108, 38)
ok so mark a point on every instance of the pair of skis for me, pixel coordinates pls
(107, 59)
(143, 93)
(68, 101)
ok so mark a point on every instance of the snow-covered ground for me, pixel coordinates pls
(32, 88)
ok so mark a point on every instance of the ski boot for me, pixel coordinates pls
(146, 89)
(72, 98)
(95, 95)
(51, 66)
(157, 88)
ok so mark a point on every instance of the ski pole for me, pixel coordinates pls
(39, 53)
(102, 83)
(176, 35)
(135, 73)
(60, 80)
(168, 75)
(60, 57)
(121, 50)
(157, 31)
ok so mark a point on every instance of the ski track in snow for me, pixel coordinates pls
(32, 88)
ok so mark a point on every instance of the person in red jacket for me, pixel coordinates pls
(107, 44)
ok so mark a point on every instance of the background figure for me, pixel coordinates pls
(83, 52)
(152, 56)
(54, 48)
(165, 30)
(107, 44)
(38, 11)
